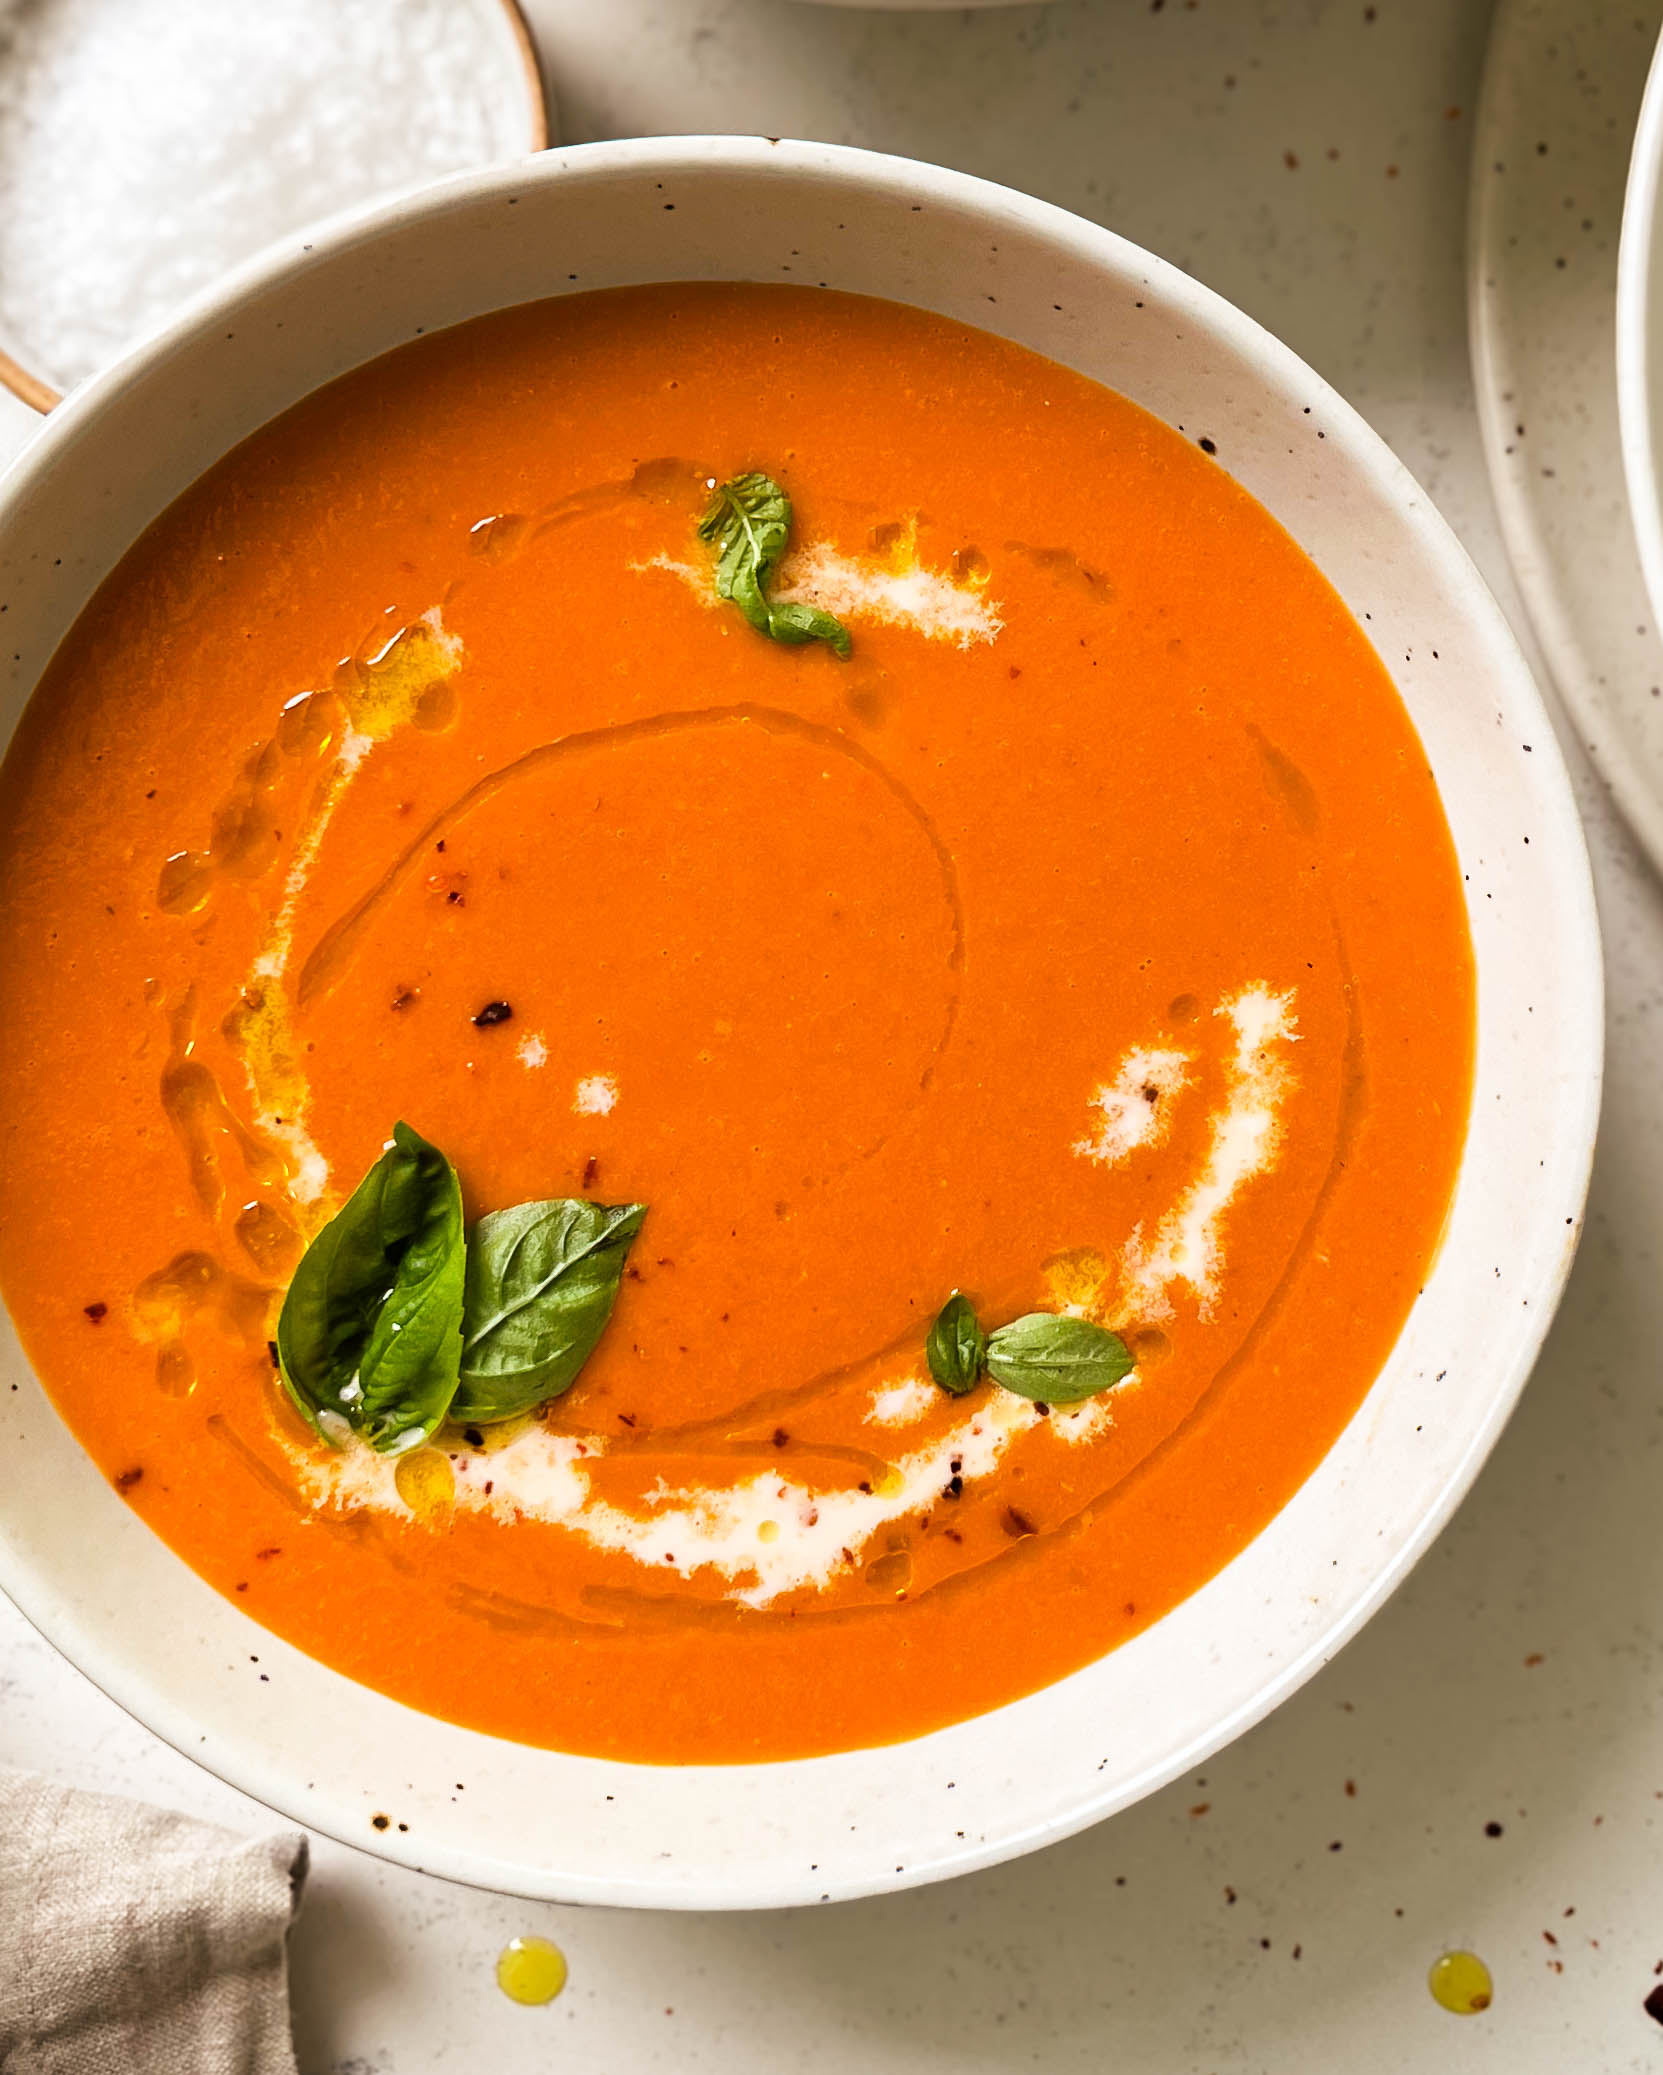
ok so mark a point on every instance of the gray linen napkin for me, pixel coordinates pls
(134, 1941)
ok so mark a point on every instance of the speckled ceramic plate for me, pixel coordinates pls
(1640, 336)
(83, 1565)
(1561, 98)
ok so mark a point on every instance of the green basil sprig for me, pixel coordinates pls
(542, 1280)
(396, 1321)
(957, 1347)
(1047, 1356)
(370, 1334)
(749, 520)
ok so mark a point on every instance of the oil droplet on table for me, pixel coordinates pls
(531, 1970)
(1461, 1982)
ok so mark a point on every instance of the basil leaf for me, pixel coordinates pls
(542, 1279)
(957, 1347)
(370, 1335)
(750, 521)
(1055, 1359)
(795, 623)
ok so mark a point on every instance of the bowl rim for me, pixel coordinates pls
(1582, 1008)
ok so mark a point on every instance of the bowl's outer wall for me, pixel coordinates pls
(333, 1754)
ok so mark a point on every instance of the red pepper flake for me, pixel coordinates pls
(493, 1012)
(266, 1555)
(1351, 1789)
(271, 1350)
(1229, 1894)
(405, 996)
(628, 1418)
(591, 1167)
(96, 1312)
(473, 1437)
(1200, 1808)
(1548, 1935)
(126, 1479)
(1535, 1658)
(781, 1437)
(1290, 159)
(1015, 1522)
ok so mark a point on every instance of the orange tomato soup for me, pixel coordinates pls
(1091, 940)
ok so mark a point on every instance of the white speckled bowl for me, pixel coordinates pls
(330, 1753)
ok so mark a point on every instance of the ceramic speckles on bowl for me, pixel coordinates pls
(536, 1822)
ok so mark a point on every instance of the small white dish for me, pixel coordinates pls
(336, 1756)
(148, 145)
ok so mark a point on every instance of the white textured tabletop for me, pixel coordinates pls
(1484, 1767)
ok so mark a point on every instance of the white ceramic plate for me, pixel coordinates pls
(1561, 95)
(1640, 335)
(333, 1754)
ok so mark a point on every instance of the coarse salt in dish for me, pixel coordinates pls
(146, 146)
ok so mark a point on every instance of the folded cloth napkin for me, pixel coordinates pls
(138, 1942)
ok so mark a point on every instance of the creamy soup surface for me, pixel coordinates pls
(1089, 940)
